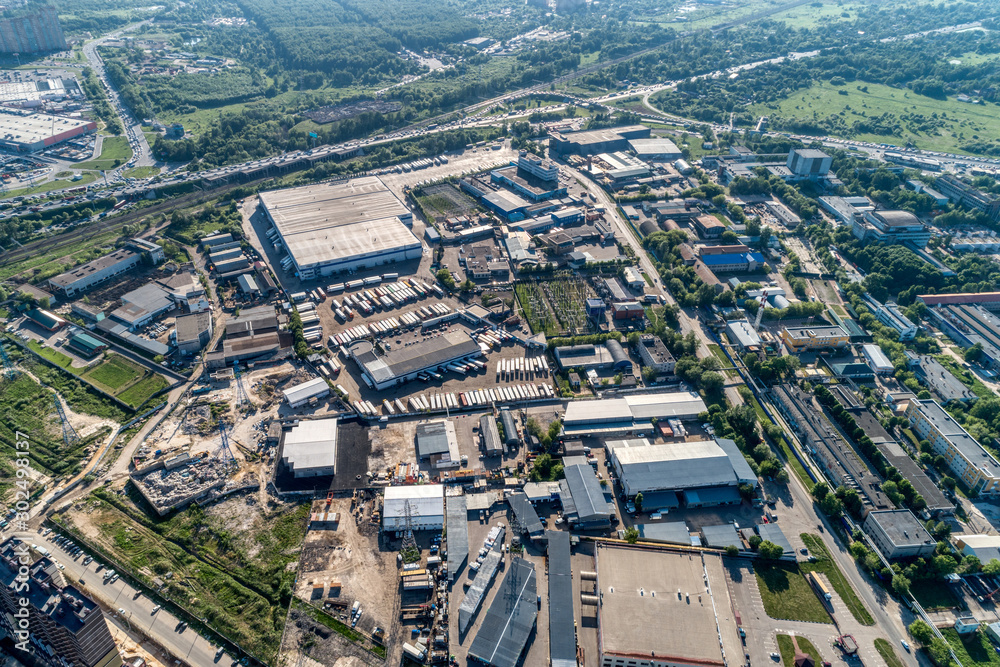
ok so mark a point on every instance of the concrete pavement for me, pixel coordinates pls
(187, 645)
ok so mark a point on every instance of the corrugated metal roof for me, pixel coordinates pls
(457, 524)
(562, 634)
(681, 465)
(770, 532)
(477, 591)
(504, 633)
(742, 468)
(671, 532)
(491, 434)
(432, 438)
(525, 513)
(587, 494)
(721, 536)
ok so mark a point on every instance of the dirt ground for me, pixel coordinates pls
(366, 570)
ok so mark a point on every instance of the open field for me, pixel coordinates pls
(53, 355)
(933, 594)
(823, 99)
(973, 650)
(115, 151)
(811, 15)
(787, 649)
(48, 263)
(141, 172)
(826, 565)
(143, 390)
(49, 186)
(229, 560)
(28, 407)
(787, 595)
(885, 650)
(115, 372)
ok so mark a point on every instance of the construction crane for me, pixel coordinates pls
(9, 370)
(760, 311)
(70, 436)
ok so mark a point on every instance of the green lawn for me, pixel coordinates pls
(824, 99)
(49, 186)
(143, 390)
(115, 151)
(115, 372)
(972, 651)
(933, 594)
(811, 16)
(141, 172)
(884, 649)
(787, 595)
(53, 355)
(826, 565)
(787, 649)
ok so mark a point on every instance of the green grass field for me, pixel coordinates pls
(826, 565)
(787, 650)
(115, 373)
(141, 172)
(115, 151)
(884, 649)
(974, 650)
(53, 355)
(933, 594)
(965, 121)
(48, 264)
(50, 186)
(810, 16)
(143, 390)
(787, 595)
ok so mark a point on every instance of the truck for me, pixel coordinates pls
(413, 652)
(820, 587)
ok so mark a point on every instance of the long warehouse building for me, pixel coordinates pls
(336, 227)
(632, 415)
(406, 363)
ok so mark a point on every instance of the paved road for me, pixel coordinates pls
(187, 645)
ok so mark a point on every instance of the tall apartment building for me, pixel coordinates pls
(65, 627)
(36, 32)
(966, 458)
(962, 193)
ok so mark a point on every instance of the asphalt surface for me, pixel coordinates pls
(186, 645)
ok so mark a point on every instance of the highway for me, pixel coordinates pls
(186, 645)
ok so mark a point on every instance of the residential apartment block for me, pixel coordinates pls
(968, 461)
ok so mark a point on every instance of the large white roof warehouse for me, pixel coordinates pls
(632, 414)
(334, 227)
(425, 503)
(309, 449)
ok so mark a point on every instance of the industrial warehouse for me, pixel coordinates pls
(404, 364)
(632, 415)
(34, 132)
(335, 227)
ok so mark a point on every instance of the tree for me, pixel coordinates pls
(949, 483)
(769, 550)
(820, 491)
(973, 353)
(992, 567)
(445, 278)
(733, 551)
(920, 631)
(631, 534)
(755, 541)
(638, 502)
(900, 585)
(781, 477)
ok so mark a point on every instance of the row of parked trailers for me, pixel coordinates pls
(522, 368)
(457, 400)
(367, 302)
(388, 326)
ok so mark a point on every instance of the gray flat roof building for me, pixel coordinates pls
(457, 524)
(562, 627)
(583, 500)
(899, 534)
(405, 363)
(669, 532)
(631, 415)
(510, 620)
(334, 227)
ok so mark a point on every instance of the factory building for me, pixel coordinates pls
(891, 227)
(631, 415)
(95, 272)
(301, 394)
(585, 504)
(708, 226)
(809, 163)
(969, 324)
(876, 359)
(654, 354)
(966, 458)
(193, 332)
(34, 132)
(61, 620)
(983, 547)
(658, 149)
(330, 228)
(801, 339)
(592, 142)
(741, 333)
(962, 193)
(406, 363)
(423, 503)
(705, 473)
(890, 315)
(899, 534)
(741, 262)
(437, 444)
(610, 355)
(309, 448)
